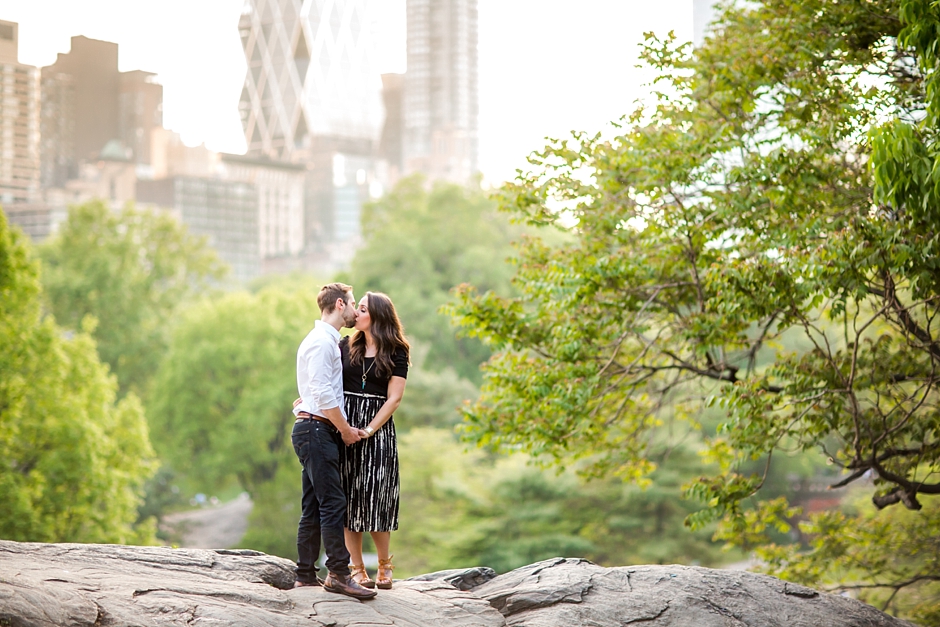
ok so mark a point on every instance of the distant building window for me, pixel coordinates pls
(6, 31)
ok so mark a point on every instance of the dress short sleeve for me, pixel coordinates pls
(401, 364)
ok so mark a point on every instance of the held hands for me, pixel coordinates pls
(351, 436)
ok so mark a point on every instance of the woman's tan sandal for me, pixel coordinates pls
(359, 574)
(383, 577)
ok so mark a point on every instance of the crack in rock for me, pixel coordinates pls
(142, 592)
(724, 611)
(242, 552)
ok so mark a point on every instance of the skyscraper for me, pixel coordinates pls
(312, 96)
(440, 106)
(310, 74)
(19, 122)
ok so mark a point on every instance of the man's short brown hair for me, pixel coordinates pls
(328, 295)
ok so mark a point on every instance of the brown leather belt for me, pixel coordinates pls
(302, 416)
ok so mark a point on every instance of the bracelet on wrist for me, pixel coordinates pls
(369, 430)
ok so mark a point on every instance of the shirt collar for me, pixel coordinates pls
(329, 328)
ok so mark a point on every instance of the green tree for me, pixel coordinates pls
(420, 244)
(433, 398)
(221, 405)
(74, 460)
(761, 197)
(130, 270)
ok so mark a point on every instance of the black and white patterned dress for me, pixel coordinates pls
(369, 468)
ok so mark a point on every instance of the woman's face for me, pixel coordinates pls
(363, 321)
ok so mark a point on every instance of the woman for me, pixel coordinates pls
(375, 367)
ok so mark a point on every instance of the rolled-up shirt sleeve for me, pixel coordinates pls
(320, 389)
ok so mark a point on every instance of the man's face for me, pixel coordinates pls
(349, 312)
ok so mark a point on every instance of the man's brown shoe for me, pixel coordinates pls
(348, 586)
(306, 584)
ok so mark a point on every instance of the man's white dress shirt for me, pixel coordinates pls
(320, 371)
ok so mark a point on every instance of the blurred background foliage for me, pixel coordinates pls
(220, 381)
(75, 456)
(130, 271)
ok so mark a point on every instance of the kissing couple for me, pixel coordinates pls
(344, 437)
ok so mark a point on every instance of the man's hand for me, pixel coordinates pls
(296, 402)
(351, 436)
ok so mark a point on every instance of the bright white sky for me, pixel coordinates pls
(546, 66)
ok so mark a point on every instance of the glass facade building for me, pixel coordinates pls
(312, 97)
(310, 74)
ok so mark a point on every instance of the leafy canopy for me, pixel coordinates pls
(130, 270)
(74, 460)
(763, 240)
(221, 405)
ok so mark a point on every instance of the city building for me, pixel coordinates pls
(19, 123)
(312, 97)
(88, 103)
(169, 156)
(83, 85)
(93, 128)
(279, 188)
(310, 73)
(58, 163)
(140, 110)
(224, 212)
(37, 220)
(440, 93)
(111, 177)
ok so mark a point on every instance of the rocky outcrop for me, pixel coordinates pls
(105, 585)
(576, 592)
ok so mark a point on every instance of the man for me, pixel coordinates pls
(319, 431)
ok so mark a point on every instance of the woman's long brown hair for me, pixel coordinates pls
(387, 333)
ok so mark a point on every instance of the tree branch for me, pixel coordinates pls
(907, 321)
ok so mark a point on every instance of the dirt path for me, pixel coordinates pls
(218, 527)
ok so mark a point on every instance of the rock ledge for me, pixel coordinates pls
(109, 585)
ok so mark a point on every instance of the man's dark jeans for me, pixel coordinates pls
(323, 503)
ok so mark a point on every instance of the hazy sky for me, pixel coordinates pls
(546, 66)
